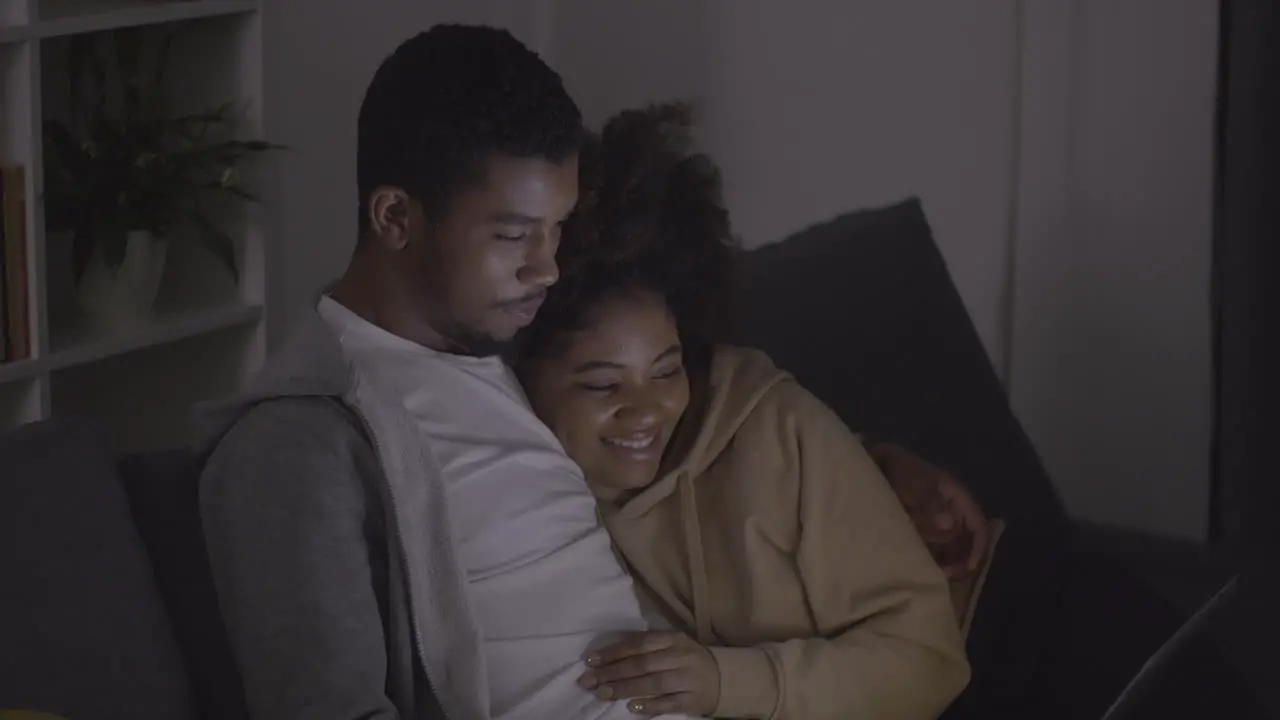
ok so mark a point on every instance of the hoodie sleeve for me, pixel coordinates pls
(889, 646)
(287, 529)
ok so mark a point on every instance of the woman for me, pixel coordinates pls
(748, 513)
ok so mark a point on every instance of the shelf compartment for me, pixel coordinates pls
(207, 68)
(61, 18)
(207, 335)
(15, 13)
(75, 345)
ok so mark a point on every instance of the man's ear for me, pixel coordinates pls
(390, 214)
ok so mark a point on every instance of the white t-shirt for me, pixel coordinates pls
(543, 580)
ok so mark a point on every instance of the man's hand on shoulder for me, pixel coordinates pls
(948, 518)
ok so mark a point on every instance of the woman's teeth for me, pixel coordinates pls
(632, 443)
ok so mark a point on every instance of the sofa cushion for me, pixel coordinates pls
(83, 630)
(164, 494)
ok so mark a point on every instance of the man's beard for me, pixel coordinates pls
(473, 343)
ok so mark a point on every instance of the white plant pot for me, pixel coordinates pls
(123, 297)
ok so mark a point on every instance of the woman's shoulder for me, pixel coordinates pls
(779, 398)
(788, 444)
(734, 360)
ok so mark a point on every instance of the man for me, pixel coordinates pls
(392, 533)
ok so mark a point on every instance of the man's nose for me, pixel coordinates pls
(540, 268)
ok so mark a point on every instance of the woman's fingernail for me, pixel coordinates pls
(593, 660)
(587, 681)
(604, 692)
(636, 706)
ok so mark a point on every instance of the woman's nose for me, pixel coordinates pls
(641, 415)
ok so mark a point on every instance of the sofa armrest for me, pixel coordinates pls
(1183, 573)
(1127, 594)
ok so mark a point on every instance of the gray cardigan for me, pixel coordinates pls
(329, 541)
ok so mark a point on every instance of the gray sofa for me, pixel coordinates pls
(107, 610)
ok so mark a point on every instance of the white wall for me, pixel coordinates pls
(1062, 155)
(816, 108)
(1111, 367)
(319, 56)
(1063, 152)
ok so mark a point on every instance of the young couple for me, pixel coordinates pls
(401, 523)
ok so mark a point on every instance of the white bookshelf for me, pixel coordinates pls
(208, 333)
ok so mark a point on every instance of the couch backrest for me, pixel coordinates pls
(863, 311)
(84, 632)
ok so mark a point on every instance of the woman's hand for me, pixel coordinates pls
(659, 672)
(949, 520)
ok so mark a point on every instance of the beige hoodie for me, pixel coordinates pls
(775, 540)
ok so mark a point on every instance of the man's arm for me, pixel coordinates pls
(293, 547)
(948, 518)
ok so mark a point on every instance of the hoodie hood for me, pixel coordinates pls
(739, 378)
(309, 363)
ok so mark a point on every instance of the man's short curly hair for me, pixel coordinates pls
(449, 99)
(650, 216)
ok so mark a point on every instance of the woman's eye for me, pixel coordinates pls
(600, 388)
(510, 238)
(669, 374)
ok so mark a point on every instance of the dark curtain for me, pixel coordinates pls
(1246, 283)
(1247, 280)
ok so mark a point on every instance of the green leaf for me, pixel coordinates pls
(257, 146)
(215, 241)
(67, 189)
(63, 153)
(235, 191)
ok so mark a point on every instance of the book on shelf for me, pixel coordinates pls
(13, 242)
(4, 282)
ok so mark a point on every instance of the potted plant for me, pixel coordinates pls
(123, 175)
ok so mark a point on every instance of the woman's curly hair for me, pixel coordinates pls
(650, 216)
